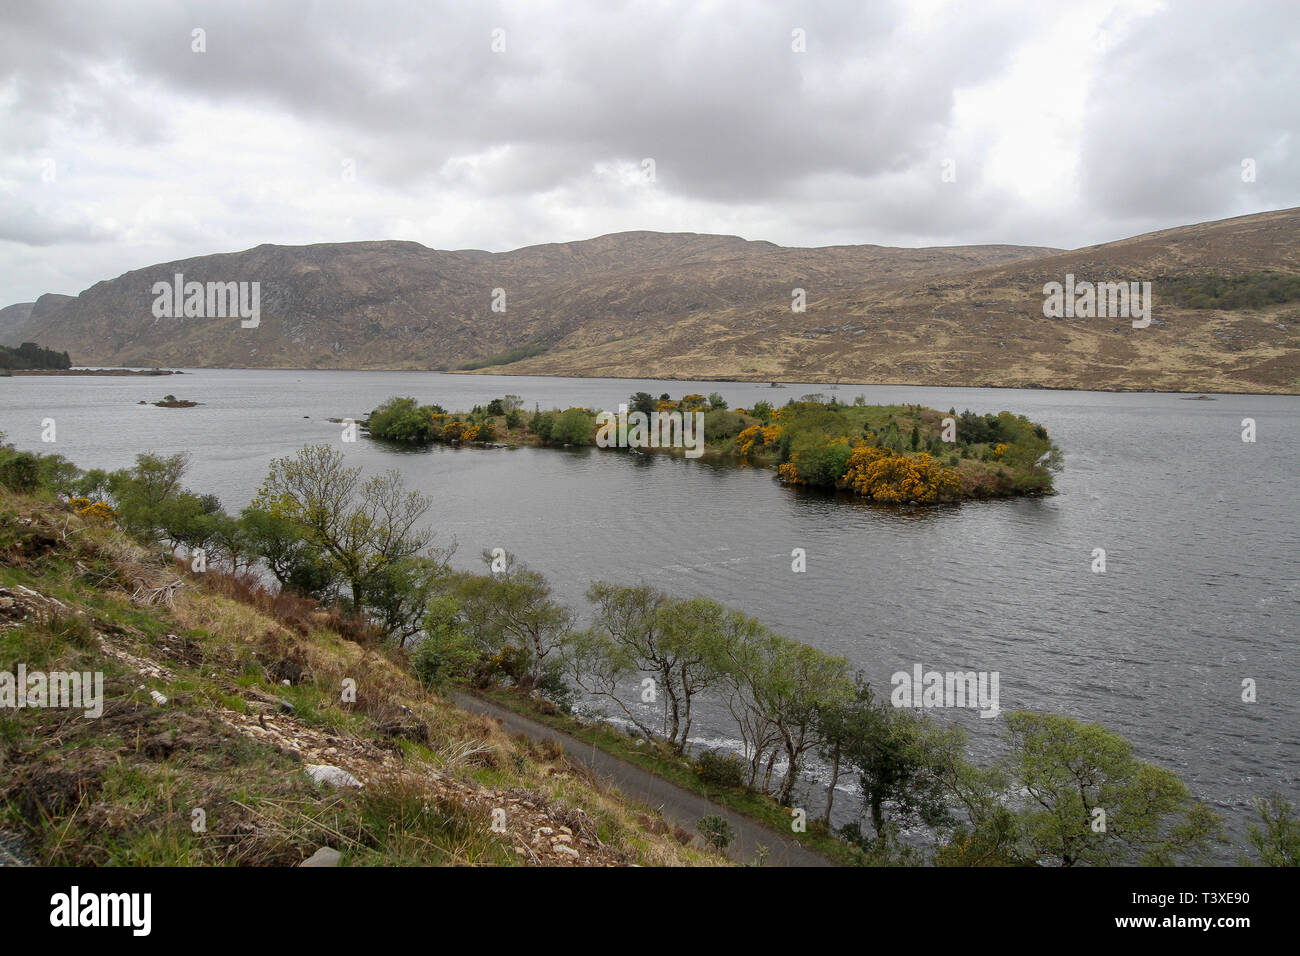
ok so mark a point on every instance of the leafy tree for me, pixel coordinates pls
(641, 630)
(841, 723)
(30, 355)
(143, 493)
(1277, 841)
(446, 653)
(92, 485)
(717, 401)
(991, 832)
(397, 594)
(58, 474)
(1070, 771)
(900, 758)
(574, 427)
(642, 402)
(402, 419)
(775, 689)
(182, 519)
(543, 426)
(815, 460)
(282, 545)
(360, 526)
(515, 605)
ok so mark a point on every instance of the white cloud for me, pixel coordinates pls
(1066, 127)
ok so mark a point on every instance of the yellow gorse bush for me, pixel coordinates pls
(757, 435)
(882, 475)
(95, 510)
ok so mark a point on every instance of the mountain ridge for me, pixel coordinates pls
(703, 306)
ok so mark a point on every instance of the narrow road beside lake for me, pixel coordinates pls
(678, 805)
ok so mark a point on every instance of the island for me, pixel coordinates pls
(890, 454)
(171, 401)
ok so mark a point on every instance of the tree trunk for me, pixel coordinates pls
(791, 774)
(675, 722)
(835, 777)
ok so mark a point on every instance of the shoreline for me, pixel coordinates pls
(92, 371)
(1114, 390)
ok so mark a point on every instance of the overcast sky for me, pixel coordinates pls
(901, 124)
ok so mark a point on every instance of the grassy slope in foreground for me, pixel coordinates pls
(886, 453)
(232, 740)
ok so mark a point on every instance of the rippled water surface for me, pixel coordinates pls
(1201, 533)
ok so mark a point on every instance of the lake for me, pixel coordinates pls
(1201, 532)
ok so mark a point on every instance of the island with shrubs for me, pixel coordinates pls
(891, 454)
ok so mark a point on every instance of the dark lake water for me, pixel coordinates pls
(1201, 532)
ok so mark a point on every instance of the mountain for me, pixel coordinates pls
(18, 323)
(683, 305)
(13, 318)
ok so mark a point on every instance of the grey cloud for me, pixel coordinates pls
(1183, 100)
(837, 144)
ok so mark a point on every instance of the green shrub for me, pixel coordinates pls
(543, 426)
(717, 832)
(554, 687)
(720, 768)
(721, 425)
(401, 419)
(20, 471)
(447, 652)
(574, 427)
